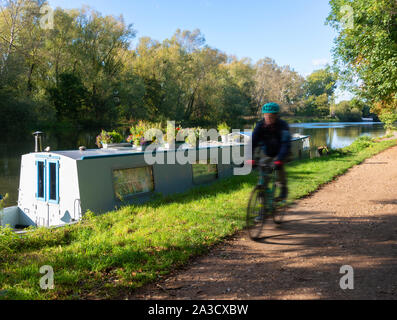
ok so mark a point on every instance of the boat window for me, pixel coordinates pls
(133, 181)
(53, 181)
(40, 180)
(204, 173)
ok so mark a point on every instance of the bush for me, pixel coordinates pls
(16, 115)
(345, 112)
(362, 143)
(388, 118)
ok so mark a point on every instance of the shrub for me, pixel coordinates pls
(388, 118)
(16, 111)
(362, 143)
(345, 111)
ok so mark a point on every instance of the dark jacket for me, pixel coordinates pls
(275, 139)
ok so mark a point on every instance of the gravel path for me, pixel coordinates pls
(352, 221)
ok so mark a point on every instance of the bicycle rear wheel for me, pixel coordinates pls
(278, 208)
(257, 212)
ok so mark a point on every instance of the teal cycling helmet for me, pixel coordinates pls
(271, 108)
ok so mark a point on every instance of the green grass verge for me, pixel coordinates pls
(110, 255)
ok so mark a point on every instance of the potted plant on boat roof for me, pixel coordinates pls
(141, 131)
(137, 135)
(194, 136)
(109, 139)
(224, 130)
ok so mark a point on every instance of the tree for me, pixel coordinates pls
(69, 97)
(277, 84)
(366, 47)
(58, 48)
(387, 113)
(86, 70)
(15, 110)
(97, 48)
(18, 40)
(292, 89)
(347, 112)
(320, 82)
(319, 89)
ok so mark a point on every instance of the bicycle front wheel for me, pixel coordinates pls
(257, 213)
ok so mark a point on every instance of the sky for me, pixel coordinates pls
(292, 32)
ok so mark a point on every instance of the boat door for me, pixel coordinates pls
(47, 192)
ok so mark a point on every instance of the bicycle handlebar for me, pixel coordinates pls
(264, 162)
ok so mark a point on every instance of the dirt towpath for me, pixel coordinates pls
(352, 221)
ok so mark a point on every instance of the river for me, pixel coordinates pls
(333, 135)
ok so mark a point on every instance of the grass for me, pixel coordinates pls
(108, 256)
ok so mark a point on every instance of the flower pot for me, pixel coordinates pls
(173, 145)
(225, 139)
(194, 143)
(178, 144)
(115, 145)
(146, 145)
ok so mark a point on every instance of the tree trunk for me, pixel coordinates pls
(30, 86)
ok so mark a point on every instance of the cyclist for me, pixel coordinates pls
(273, 136)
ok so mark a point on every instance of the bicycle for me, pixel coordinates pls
(262, 204)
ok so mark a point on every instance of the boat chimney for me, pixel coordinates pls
(37, 139)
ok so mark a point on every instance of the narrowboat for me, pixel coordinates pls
(58, 187)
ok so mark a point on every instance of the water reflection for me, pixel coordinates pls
(333, 135)
(337, 135)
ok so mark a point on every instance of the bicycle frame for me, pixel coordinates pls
(264, 196)
(265, 175)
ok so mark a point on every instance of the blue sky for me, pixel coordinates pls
(289, 31)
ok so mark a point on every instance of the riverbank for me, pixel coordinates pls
(111, 255)
(310, 119)
(303, 119)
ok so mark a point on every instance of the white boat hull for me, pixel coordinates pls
(13, 216)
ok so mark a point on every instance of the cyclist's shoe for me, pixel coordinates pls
(281, 201)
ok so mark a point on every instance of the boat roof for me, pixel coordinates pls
(121, 152)
(95, 153)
